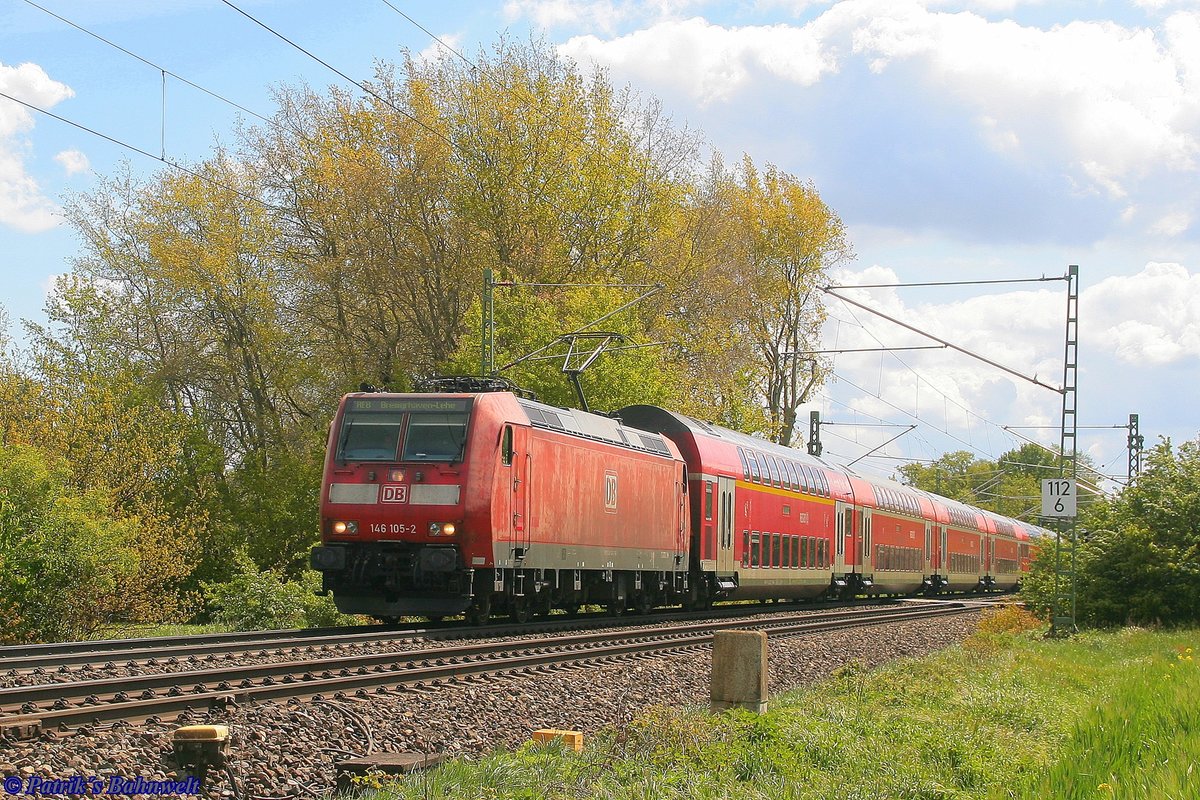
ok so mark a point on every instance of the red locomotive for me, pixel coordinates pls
(490, 503)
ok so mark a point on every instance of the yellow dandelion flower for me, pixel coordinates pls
(1104, 787)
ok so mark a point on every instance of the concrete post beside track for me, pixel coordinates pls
(739, 671)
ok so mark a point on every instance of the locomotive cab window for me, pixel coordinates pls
(369, 437)
(435, 437)
(506, 446)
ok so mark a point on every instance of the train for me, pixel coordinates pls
(490, 503)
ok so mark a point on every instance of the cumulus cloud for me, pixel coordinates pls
(1104, 103)
(708, 62)
(73, 161)
(1151, 318)
(601, 15)
(22, 204)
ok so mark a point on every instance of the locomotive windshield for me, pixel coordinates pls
(369, 437)
(435, 437)
(403, 430)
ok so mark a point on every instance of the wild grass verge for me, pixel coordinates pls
(1008, 714)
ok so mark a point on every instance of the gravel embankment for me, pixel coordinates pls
(290, 750)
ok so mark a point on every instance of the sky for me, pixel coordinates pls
(985, 140)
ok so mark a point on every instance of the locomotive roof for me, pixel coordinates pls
(592, 426)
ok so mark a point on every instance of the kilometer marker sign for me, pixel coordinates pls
(1058, 497)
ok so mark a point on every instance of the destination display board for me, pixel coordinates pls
(443, 405)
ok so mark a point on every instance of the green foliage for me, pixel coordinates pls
(275, 505)
(1140, 561)
(69, 563)
(258, 599)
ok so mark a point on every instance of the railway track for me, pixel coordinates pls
(54, 656)
(26, 711)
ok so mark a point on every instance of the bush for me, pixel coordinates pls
(1009, 619)
(1140, 562)
(257, 599)
(70, 563)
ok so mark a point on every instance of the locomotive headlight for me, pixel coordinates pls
(441, 529)
(340, 528)
(448, 529)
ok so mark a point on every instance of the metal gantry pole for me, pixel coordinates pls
(814, 434)
(488, 355)
(1136, 442)
(1063, 612)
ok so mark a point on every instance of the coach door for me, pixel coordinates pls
(863, 551)
(843, 536)
(944, 553)
(725, 562)
(928, 570)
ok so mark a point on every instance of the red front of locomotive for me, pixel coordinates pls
(404, 501)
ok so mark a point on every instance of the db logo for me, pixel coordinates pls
(394, 494)
(610, 491)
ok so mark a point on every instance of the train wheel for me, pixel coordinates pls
(521, 610)
(571, 609)
(616, 608)
(480, 611)
(642, 603)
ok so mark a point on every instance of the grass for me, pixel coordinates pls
(1007, 715)
(148, 631)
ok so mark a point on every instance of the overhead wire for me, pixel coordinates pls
(919, 377)
(135, 149)
(165, 72)
(148, 62)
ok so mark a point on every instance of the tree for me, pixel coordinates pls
(215, 316)
(1140, 560)
(774, 240)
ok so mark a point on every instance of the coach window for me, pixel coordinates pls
(772, 470)
(776, 550)
(823, 484)
(745, 464)
(708, 499)
(755, 549)
(755, 475)
(506, 446)
(789, 479)
(745, 548)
